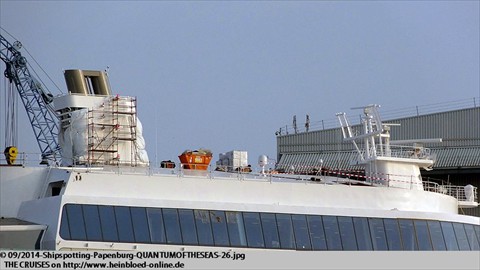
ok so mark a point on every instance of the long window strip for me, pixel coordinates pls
(427, 231)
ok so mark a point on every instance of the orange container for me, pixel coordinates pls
(195, 160)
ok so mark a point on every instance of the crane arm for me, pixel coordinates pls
(35, 100)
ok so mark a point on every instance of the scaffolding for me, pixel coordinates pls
(112, 132)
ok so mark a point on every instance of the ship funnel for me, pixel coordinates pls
(87, 82)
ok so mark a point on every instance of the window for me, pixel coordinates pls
(472, 238)
(76, 222)
(461, 236)
(219, 228)
(449, 235)
(285, 231)
(124, 224)
(156, 226)
(236, 230)
(64, 230)
(204, 228)
(436, 234)
(300, 228)
(140, 225)
(109, 223)
(270, 232)
(187, 225)
(253, 228)
(393, 234)
(407, 232)
(317, 235)
(332, 233)
(477, 231)
(423, 236)
(362, 231)
(347, 233)
(377, 231)
(92, 222)
(172, 226)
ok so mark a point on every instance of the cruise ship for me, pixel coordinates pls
(97, 189)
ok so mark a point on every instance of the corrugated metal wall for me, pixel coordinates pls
(457, 157)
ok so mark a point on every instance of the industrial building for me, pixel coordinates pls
(457, 156)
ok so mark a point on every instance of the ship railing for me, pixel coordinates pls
(23, 159)
(466, 193)
(400, 151)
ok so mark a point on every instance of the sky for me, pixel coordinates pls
(226, 75)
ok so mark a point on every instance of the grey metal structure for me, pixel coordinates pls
(35, 99)
(457, 157)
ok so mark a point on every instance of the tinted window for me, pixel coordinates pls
(377, 231)
(140, 225)
(236, 230)
(477, 231)
(92, 223)
(362, 231)
(300, 228)
(204, 228)
(393, 234)
(124, 224)
(436, 234)
(317, 235)
(423, 236)
(347, 233)
(472, 239)
(332, 233)
(285, 231)
(109, 223)
(449, 235)
(253, 229)
(187, 225)
(407, 232)
(461, 236)
(76, 222)
(172, 226)
(64, 230)
(270, 232)
(156, 225)
(219, 227)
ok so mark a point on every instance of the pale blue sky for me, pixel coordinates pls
(227, 75)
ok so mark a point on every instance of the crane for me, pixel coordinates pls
(36, 100)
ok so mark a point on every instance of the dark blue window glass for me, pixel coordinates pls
(236, 230)
(449, 235)
(332, 233)
(109, 224)
(347, 233)
(124, 224)
(76, 222)
(92, 222)
(285, 231)
(172, 226)
(270, 232)
(219, 228)
(472, 239)
(377, 231)
(156, 226)
(204, 228)
(423, 236)
(140, 225)
(407, 232)
(187, 224)
(253, 228)
(362, 231)
(393, 234)
(300, 228)
(477, 231)
(461, 236)
(317, 235)
(64, 230)
(436, 234)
